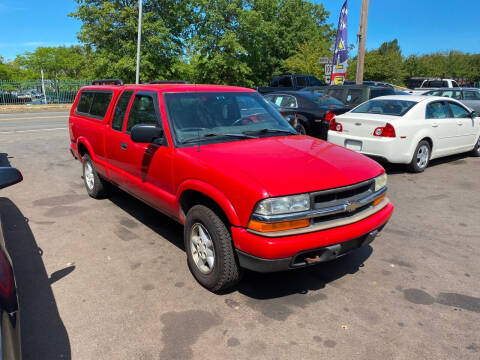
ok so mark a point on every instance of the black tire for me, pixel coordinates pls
(225, 271)
(476, 150)
(417, 164)
(99, 188)
(300, 128)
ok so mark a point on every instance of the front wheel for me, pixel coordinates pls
(421, 157)
(209, 248)
(476, 150)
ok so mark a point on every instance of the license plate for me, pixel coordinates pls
(353, 145)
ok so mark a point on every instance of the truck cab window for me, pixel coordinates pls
(142, 111)
(121, 110)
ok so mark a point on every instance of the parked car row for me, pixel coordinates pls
(251, 192)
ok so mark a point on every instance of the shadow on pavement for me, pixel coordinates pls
(276, 285)
(43, 333)
(155, 220)
(4, 162)
(254, 285)
(457, 159)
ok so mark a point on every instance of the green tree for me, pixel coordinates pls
(245, 42)
(305, 60)
(57, 62)
(110, 29)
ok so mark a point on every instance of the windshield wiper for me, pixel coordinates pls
(268, 130)
(213, 135)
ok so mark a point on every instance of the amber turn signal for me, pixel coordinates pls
(379, 200)
(277, 226)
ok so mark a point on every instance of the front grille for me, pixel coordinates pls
(338, 196)
(342, 196)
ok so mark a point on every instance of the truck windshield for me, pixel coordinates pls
(222, 116)
(385, 107)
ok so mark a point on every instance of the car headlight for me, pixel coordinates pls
(380, 182)
(283, 205)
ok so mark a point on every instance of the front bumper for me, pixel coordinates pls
(281, 248)
(305, 258)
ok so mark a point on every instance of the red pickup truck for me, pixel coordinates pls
(250, 191)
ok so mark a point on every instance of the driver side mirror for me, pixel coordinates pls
(9, 176)
(474, 114)
(146, 133)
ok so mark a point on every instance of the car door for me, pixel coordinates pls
(444, 127)
(466, 126)
(149, 164)
(116, 140)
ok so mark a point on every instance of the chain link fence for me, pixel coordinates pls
(30, 92)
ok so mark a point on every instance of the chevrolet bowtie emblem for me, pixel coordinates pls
(350, 207)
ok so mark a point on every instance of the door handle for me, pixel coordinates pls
(459, 123)
(434, 124)
(123, 146)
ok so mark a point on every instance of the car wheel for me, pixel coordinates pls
(300, 128)
(476, 150)
(96, 187)
(421, 157)
(210, 254)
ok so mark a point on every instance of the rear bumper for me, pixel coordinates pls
(282, 249)
(305, 258)
(394, 150)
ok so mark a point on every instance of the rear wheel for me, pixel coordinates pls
(209, 248)
(300, 128)
(421, 157)
(96, 187)
(476, 150)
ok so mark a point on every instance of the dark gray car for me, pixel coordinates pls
(468, 96)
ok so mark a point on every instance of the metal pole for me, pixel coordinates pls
(362, 36)
(43, 88)
(139, 41)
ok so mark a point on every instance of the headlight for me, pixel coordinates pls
(283, 205)
(380, 182)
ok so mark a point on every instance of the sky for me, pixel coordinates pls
(421, 26)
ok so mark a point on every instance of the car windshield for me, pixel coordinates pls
(385, 107)
(223, 116)
(323, 100)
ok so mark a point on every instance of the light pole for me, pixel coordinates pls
(139, 41)
(362, 37)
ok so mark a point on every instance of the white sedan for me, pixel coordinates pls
(407, 129)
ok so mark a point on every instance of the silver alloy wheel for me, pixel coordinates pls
(201, 247)
(89, 179)
(423, 154)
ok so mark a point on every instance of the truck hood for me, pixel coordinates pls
(287, 164)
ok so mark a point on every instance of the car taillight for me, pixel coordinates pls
(329, 116)
(335, 126)
(386, 131)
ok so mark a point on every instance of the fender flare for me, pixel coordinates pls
(213, 193)
(83, 141)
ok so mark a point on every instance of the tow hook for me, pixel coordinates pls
(370, 237)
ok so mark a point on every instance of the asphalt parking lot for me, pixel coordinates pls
(107, 279)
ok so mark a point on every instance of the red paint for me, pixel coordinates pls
(236, 174)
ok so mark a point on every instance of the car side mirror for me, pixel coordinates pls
(474, 114)
(9, 176)
(291, 119)
(146, 133)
